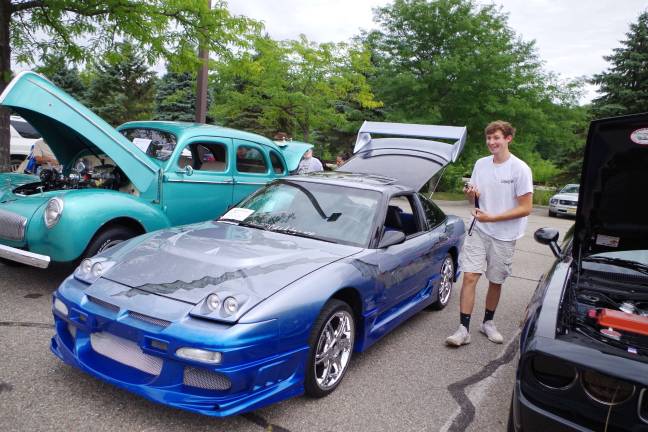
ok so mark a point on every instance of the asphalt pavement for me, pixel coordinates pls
(409, 381)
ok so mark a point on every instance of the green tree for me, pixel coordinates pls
(624, 86)
(175, 97)
(122, 86)
(296, 86)
(457, 62)
(80, 29)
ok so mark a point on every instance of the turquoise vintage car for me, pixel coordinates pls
(115, 184)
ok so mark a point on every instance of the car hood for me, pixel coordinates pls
(565, 196)
(292, 152)
(410, 161)
(10, 181)
(611, 213)
(68, 127)
(191, 262)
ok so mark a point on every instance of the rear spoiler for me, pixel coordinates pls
(458, 134)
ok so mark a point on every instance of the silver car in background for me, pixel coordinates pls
(565, 201)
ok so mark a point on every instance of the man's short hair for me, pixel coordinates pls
(499, 125)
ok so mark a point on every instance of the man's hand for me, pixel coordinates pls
(482, 216)
(471, 192)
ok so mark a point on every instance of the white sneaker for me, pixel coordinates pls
(460, 337)
(489, 329)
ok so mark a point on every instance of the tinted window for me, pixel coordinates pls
(401, 215)
(25, 129)
(433, 214)
(250, 160)
(204, 157)
(277, 165)
(155, 143)
(328, 212)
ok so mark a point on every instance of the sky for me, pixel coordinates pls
(572, 36)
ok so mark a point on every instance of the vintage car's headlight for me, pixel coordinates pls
(53, 212)
(92, 269)
(200, 355)
(552, 372)
(605, 389)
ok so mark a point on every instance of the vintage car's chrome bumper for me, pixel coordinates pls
(24, 257)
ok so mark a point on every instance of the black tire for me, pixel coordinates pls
(107, 238)
(509, 426)
(331, 311)
(14, 163)
(552, 214)
(446, 278)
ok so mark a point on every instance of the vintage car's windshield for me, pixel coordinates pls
(155, 143)
(321, 211)
(573, 189)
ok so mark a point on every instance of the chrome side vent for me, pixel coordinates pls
(12, 226)
(149, 319)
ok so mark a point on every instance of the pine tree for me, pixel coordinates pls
(175, 98)
(56, 68)
(122, 86)
(625, 85)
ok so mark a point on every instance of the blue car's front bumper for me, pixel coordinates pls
(243, 382)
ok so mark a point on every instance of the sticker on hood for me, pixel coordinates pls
(640, 136)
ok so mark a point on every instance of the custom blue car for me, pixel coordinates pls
(116, 184)
(584, 346)
(271, 300)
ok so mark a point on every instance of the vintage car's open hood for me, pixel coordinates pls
(68, 127)
(612, 207)
(292, 152)
(189, 263)
(411, 161)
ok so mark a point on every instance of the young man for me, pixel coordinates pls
(502, 186)
(309, 163)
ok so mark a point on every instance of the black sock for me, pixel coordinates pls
(488, 315)
(465, 320)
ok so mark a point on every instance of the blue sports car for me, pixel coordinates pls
(271, 300)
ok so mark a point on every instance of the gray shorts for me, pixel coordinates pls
(482, 253)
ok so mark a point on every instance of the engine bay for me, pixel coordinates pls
(84, 175)
(611, 308)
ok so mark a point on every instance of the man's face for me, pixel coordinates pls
(339, 161)
(497, 142)
(308, 154)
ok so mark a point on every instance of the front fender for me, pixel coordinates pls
(84, 213)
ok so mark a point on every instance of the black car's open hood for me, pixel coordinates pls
(612, 204)
(408, 159)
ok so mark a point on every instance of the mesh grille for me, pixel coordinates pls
(12, 226)
(151, 320)
(204, 379)
(103, 304)
(569, 203)
(125, 352)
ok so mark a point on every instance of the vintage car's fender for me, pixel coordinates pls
(85, 212)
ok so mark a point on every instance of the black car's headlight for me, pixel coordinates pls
(606, 389)
(552, 372)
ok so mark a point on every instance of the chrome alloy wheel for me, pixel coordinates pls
(334, 349)
(447, 280)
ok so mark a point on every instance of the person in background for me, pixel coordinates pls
(309, 163)
(39, 156)
(341, 159)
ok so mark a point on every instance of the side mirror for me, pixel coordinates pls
(188, 170)
(549, 236)
(391, 238)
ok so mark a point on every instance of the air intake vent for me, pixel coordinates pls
(204, 379)
(103, 304)
(148, 319)
(126, 352)
(12, 226)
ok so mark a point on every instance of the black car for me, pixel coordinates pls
(584, 344)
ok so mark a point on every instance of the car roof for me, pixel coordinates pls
(355, 180)
(185, 130)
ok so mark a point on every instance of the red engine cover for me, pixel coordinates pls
(622, 321)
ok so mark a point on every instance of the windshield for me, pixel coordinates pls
(325, 212)
(639, 256)
(570, 189)
(155, 143)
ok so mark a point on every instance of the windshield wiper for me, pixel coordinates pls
(634, 265)
(301, 234)
(244, 224)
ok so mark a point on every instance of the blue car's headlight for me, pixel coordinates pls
(92, 269)
(220, 306)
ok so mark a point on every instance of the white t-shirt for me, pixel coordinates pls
(309, 165)
(499, 186)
